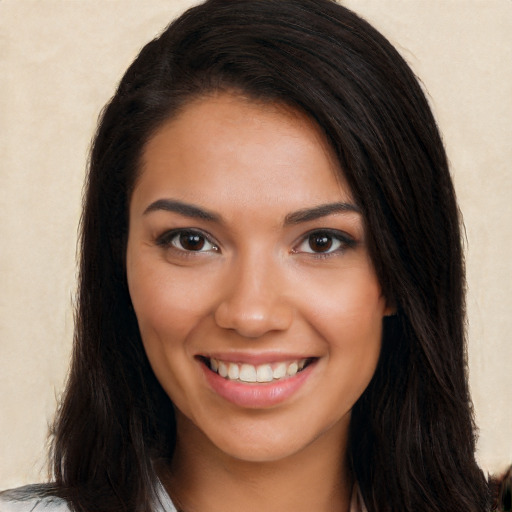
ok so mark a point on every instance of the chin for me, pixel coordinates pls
(265, 440)
(261, 451)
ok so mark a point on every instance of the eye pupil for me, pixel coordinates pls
(320, 242)
(192, 241)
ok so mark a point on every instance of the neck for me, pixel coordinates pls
(316, 478)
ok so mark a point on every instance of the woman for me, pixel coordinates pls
(271, 298)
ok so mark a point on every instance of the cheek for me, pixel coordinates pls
(349, 306)
(166, 313)
(348, 313)
(166, 306)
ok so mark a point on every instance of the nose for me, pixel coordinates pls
(254, 302)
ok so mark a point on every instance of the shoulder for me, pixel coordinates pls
(31, 498)
(38, 498)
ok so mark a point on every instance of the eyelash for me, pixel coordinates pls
(171, 239)
(167, 240)
(345, 242)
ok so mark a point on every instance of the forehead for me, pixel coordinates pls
(228, 149)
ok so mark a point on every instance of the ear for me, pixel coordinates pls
(390, 309)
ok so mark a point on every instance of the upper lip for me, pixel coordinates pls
(255, 359)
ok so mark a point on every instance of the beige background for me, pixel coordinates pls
(59, 63)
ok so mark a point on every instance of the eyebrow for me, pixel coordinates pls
(317, 212)
(186, 209)
(305, 215)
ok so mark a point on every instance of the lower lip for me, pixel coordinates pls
(257, 395)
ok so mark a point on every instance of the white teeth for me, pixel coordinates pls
(248, 373)
(233, 371)
(261, 373)
(279, 371)
(223, 369)
(292, 369)
(264, 373)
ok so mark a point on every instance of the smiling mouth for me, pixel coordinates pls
(262, 373)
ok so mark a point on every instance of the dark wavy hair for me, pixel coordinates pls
(412, 437)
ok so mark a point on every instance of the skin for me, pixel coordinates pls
(259, 288)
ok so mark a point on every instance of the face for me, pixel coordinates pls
(247, 266)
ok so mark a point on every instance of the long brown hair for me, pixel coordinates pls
(412, 438)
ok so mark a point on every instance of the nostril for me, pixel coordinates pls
(253, 320)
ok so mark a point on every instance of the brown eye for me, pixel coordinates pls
(187, 241)
(320, 242)
(191, 241)
(324, 242)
